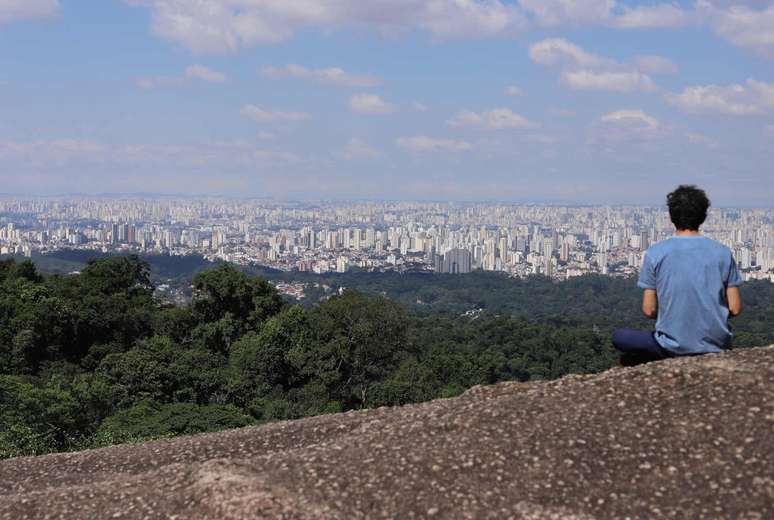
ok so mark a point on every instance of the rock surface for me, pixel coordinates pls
(681, 438)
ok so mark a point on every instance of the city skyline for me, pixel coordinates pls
(559, 242)
(558, 101)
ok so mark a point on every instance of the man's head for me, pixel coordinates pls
(688, 207)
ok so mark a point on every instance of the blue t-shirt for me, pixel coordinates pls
(690, 275)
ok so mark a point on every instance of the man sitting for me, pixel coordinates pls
(691, 288)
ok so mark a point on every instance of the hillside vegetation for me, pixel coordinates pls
(93, 359)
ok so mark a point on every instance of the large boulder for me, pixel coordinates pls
(681, 438)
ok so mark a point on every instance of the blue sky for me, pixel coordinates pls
(590, 101)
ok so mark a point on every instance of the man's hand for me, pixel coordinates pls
(734, 300)
(650, 304)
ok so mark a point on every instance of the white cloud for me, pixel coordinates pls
(14, 10)
(64, 145)
(419, 107)
(42, 154)
(370, 104)
(769, 131)
(558, 51)
(556, 12)
(633, 116)
(455, 18)
(630, 125)
(750, 26)
(549, 13)
(196, 71)
(613, 81)
(582, 70)
(263, 135)
(514, 91)
(223, 26)
(423, 143)
(203, 73)
(655, 65)
(272, 116)
(652, 16)
(329, 76)
(496, 119)
(754, 97)
(609, 12)
(359, 149)
(216, 26)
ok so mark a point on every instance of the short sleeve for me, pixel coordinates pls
(647, 274)
(734, 279)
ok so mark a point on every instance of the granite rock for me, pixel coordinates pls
(680, 438)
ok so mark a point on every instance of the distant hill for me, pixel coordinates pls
(162, 266)
(682, 438)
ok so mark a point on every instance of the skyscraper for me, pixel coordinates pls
(564, 253)
(457, 261)
(114, 234)
(548, 266)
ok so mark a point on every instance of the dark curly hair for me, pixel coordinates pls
(688, 207)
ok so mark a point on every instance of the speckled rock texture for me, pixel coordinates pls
(681, 438)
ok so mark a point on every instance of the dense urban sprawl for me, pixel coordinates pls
(556, 241)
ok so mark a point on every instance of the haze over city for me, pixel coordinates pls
(592, 102)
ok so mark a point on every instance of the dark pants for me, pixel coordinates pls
(638, 346)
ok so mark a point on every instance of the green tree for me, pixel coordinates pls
(360, 340)
(160, 370)
(259, 362)
(117, 274)
(412, 382)
(225, 291)
(149, 420)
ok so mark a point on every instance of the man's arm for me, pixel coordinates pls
(733, 296)
(650, 304)
(734, 300)
(647, 281)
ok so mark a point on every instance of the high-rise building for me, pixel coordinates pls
(344, 238)
(405, 242)
(548, 246)
(123, 233)
(564, 251)
(114, 234)
(457, 261)
(744, 257)
(548, 266)
(342, 265)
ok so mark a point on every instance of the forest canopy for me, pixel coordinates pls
(93, 359)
